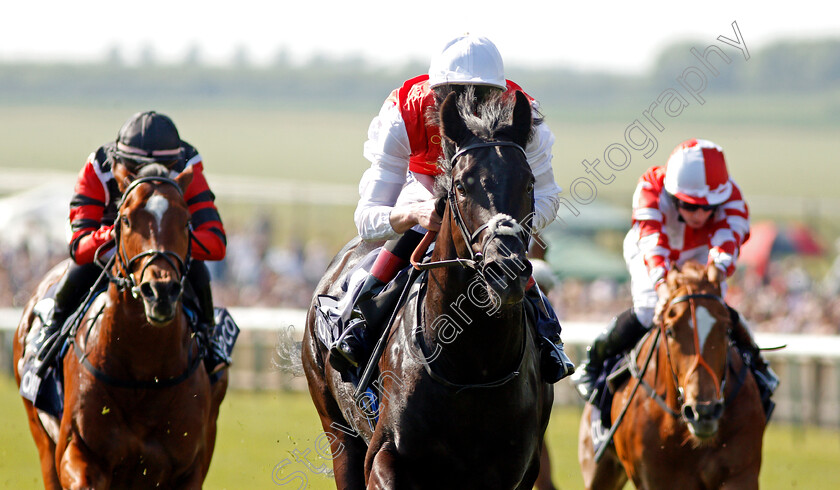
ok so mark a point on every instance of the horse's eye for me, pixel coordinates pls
(459, 186)
(669, 332)
(124, 221)
(530, 187)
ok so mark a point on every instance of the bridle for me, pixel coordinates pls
(660, 337)
(126, 279)
(476, 260)
(699, 361)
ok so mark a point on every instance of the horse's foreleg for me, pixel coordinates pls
(544, 478)
(608, 473)
(348, 459)
(217, 395)
(383, 470)
(747, 480)
(45, 445)
(76, 469)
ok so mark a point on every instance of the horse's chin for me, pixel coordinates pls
(505, 292)
(159, 316)
(704, 431)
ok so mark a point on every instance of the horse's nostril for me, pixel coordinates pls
(718, 411)
(688, 413)
(175, 290)
(147, 290)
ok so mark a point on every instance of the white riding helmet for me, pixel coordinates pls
(468, 59)
(696, 173)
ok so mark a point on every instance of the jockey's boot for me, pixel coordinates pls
(69, 291)
(765, 377)
(554, 363)
(216, 357)
(352, 348)
(621, 334)
(50, 331)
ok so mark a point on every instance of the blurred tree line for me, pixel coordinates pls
(786, 67)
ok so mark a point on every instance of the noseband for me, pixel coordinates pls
(476, 260)
(128, 280)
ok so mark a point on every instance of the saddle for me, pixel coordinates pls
(336, 315)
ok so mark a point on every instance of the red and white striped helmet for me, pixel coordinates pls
(696, 173)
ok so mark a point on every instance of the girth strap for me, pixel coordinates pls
(135, 384)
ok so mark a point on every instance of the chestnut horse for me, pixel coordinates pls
(700, 422)
(139, 408)
(462, 403)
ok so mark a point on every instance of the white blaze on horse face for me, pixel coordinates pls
(705, 322)
(157, 206)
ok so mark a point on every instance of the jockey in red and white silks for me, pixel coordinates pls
(403, 149)
(694, 177)
(396, 200)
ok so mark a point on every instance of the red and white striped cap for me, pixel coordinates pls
(696, 173)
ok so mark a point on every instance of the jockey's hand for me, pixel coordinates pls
(418, 213)
(663, 293)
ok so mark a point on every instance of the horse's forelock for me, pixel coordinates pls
(490, 118)
(153, 170)
(692, 274)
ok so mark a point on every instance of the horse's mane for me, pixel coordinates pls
(489, 118)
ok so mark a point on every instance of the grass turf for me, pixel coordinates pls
(260, 435)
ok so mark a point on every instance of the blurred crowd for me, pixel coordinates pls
(786, 299)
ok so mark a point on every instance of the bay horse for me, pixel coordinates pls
(700, 422)
(462, 403)
(139, 408)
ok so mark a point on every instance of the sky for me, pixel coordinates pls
(625, 37)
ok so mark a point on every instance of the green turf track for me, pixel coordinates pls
(259, 431)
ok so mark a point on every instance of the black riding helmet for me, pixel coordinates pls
(148, 137)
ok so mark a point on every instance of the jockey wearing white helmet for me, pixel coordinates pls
(396, 193)
(689, 209)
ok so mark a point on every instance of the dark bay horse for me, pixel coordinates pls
(462, 402)
(139, 408)
(699, 422)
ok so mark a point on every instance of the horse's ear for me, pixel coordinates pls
(440, 206)
(671, 277)
(452, 126)
(714, 274)
(184, 179)
(522, 120)
(122, 176)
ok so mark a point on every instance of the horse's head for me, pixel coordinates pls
(489, 188)
(153, 240)
(696, 325)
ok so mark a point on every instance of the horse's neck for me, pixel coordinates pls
(475, 345)
(124, 333)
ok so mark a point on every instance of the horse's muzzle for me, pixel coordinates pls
(160, 299)
(506, 270)
(703, 417)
